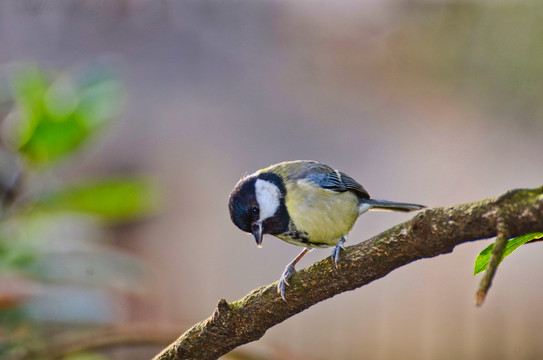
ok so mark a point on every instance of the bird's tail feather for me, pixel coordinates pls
(391, 205)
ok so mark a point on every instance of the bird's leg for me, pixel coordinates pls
(289, 271)
(339, 246)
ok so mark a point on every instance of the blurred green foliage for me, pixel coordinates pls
(50, 229)
(85, 356)
(54, 118)
(112, 200)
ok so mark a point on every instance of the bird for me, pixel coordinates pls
(304, 203)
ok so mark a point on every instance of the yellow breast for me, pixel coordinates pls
(324, 215)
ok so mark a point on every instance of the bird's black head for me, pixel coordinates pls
(257, 205)
(244, 209)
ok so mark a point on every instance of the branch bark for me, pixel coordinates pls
(430, 233)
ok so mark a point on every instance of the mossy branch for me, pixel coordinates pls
(430, 233)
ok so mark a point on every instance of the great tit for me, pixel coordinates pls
(304, 203)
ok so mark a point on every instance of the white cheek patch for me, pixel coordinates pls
(267, 196)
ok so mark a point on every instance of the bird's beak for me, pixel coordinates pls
(257, 233)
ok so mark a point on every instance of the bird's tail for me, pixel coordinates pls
(389, 205)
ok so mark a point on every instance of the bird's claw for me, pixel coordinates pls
(337, 249)
(283, 281)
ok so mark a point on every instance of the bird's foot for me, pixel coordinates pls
(283, 281)
(337, 249)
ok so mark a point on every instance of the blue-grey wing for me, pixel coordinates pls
(338, 181)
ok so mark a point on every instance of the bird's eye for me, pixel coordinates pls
(255, 210)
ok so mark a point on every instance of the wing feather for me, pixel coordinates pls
(337, 181)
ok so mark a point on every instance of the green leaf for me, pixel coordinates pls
(56, 117)
(113, 200)
(99, 102)
(51, 140)
(29, 88)
(483, 258)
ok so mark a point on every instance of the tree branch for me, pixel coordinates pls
(64, 344)
(430, 233)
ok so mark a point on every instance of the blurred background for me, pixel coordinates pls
(122, 231)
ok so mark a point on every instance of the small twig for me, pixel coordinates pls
(495, 258)
(100, 339)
